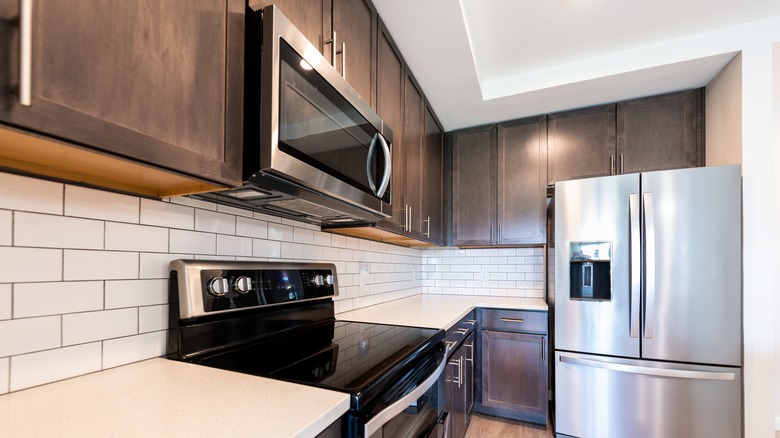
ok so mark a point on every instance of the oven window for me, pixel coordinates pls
(319, 127)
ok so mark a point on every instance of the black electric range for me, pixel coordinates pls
(277, 320)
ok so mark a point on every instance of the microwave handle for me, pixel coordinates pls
(391, 411)
(378, 191)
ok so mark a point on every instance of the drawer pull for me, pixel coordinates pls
(470, 321)
(461, 331)
(519, 320)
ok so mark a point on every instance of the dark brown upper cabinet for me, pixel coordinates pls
(313, 18)
(522, 181)
(652, 133)
(499, 184)
(432, 175)
(121, 90)
(581, 143)
(660, 132)
(474, 165)
(390, 77)
(355, 30)
(413, 156)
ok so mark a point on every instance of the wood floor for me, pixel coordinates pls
(485, 426)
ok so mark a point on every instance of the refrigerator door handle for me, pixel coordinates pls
(648, 371)
(636, 264)
(649, 264)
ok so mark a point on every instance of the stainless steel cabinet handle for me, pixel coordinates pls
(332, 43)
(519, 320)
(470, 321)
(25, 52)
(648, 371)
(409, 223)
(456, 363)
(621, 164)
(344, 60)
(491, 234)
(612, 164)
(635, 263)
(471, 352)
(461, 331)
(649, 265)
(428, 227)
(498, 237)
(543, 348)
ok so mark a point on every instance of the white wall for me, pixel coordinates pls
(776, 94)
(723, 116)
(84, 273)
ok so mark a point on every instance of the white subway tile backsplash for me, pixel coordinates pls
(130, 349)
(302, 235)
(54, 298)
(5, 302)
(131, 237)
(266, 248)
(134, 293)
(5, 375)
(193, 242)
(97, 204)
(25, 335)
(152, 318)
(280, 232)
(292, 250)
(101, 278)
(157, 265)
(6, 227)
(52, 365)
(214, 222)
(251, 228)
(99, 265)
(48, 231)
(234, 246)
(79, 328)
(30, 264)
(28, 194)
(166, 214)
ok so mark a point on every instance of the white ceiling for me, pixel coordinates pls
(482, 61)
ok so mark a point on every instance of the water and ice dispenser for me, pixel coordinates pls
(590, 271)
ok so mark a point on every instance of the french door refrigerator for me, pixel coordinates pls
(648, 303)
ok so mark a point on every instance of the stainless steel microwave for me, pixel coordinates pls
(315, 151)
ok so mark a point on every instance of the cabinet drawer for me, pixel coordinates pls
(458, 332)
(514, 320)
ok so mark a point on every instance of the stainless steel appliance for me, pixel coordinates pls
(648, 305)
(315, 151)
(276, 320)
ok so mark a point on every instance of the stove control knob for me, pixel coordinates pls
(218, 286)
(318, 280)
(243, 284)
(329, 280)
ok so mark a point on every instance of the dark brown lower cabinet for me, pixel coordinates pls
(512, 374)
(459, 391)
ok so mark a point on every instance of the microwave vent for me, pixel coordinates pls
(301, 206)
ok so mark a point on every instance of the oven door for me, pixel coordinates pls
(411, 408)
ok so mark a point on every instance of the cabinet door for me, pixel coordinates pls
(149, 80)
(413, 145)
(390, 79)
(581, 143)
(432, 178)
(514, 375)
(474, 186)
(522, 181)
(660, 132)
(311, 17)
(354, 22)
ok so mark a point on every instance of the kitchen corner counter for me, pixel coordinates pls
(161, 397)
(436, 311)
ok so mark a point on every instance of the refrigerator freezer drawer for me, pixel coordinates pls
(600, 396)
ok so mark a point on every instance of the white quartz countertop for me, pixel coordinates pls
(436, 311)
(161, 397)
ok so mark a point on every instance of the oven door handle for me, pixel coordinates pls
(391, 411)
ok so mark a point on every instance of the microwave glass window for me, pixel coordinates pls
(318, 126)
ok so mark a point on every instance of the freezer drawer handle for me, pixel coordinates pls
(648, 371)
(519, 320)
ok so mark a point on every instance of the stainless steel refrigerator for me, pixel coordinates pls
(648, 305)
